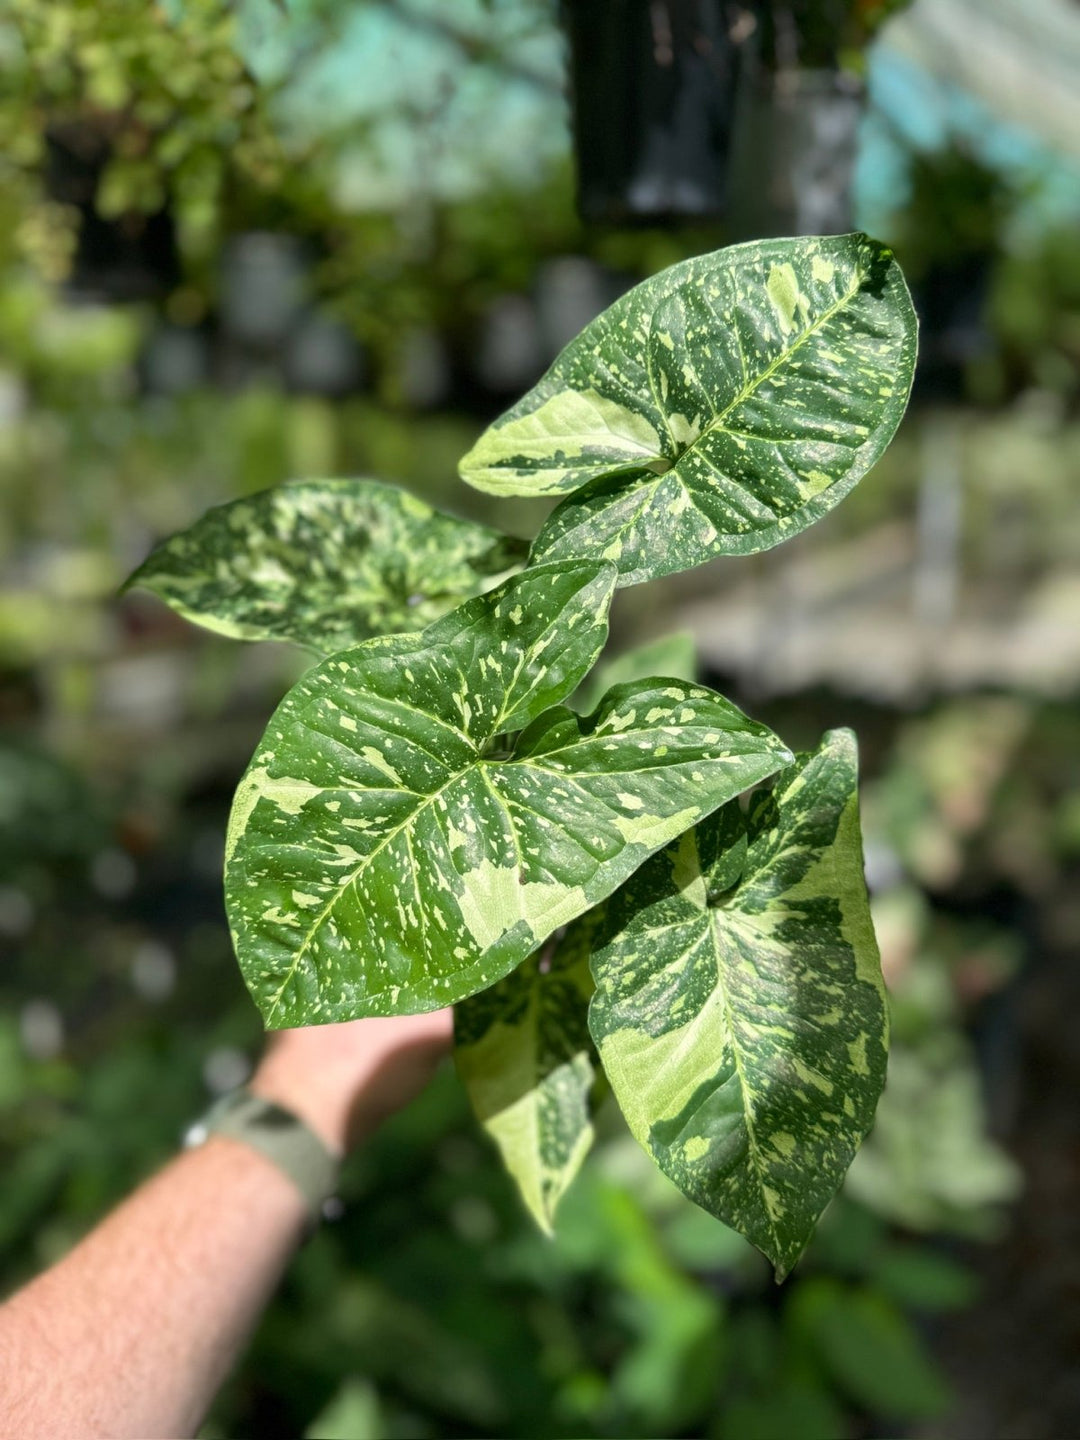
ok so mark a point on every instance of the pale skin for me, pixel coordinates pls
(132, 1333)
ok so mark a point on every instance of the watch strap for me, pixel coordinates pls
(280, 1136)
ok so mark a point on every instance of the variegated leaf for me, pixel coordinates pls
(716, 409)
(523, 1051)
(671, 655)
(325, 564)
(739, 1011)
(394, 846)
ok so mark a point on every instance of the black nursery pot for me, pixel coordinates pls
(794, 157)
(134, 257)
(653, 92)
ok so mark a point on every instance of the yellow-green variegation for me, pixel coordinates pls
(422, 813)
(449, 808)
(739, 1009)
(716, 409)
(325, 564)
(524, 1053)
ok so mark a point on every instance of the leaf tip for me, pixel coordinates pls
(545, 1223)
(784, 1258)
(135, 579)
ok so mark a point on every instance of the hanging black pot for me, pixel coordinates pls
(951, 299)
(653, 93)
(793, 160)
(133, 257)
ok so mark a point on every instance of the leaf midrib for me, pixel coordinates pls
(745, 1089)
(319, 919)
(649, 486)
(717, 422)
(473, 765)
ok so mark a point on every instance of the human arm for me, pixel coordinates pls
(132, 1333)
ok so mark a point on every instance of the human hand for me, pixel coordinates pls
(345, 1080)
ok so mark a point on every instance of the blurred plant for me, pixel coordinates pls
(1034, 312)
(939, 792)
(955, 211)
(929, 1164)
(432, 1307)
(135, 139)
(980, 787)
(115, 114)
(820, 34)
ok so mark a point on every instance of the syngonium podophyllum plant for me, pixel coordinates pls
(628, 879)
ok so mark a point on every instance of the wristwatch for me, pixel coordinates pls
(280, 1136)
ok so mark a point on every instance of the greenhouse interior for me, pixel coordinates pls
(274, 241)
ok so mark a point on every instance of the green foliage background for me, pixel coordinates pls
(432, 1307)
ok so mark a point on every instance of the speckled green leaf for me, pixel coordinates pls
(739, 1010)
(395, 846)
(717, 409)
(325, 564)
(672, 655)
(524, 1053)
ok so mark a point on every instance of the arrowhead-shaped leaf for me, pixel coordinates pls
(739, 1010)
(524, 1053)
(391, 850)
(717, 409)
(325, 564)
